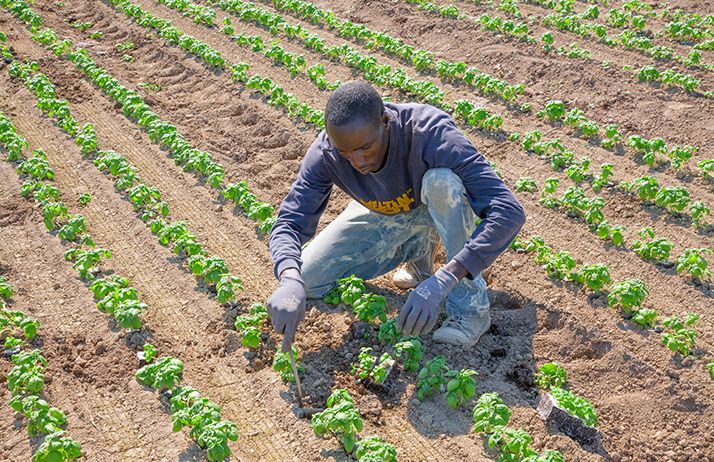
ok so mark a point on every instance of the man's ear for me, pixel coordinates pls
(385, 119)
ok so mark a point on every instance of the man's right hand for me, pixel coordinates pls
(287, 306)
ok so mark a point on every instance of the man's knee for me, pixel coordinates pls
(442, 186)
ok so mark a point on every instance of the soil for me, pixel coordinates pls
(651, 405)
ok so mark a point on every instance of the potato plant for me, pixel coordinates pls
(11, 320)
(627, 294)
(86, 261)
(369, 367)
(6, 290)
(551, 375)
(340, 418)
(57, 448)
(648, 149)
(41, 418)
(651, 248)
(249, 325)
(595, 276)
(645, 317)
(410, 351)
(373, 449)
(460, 387)
(682, 337)
(695, 263)
(371, 308)
(27, 376)
(575, 405)
(281, 364)
(698, 211)
(710, 368)
(673, 198)
(526, 184)
(490, 413)
(165, 373)
(203, 417)
(431, 377)
(388, 333)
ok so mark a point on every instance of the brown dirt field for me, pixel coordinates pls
(651, 406)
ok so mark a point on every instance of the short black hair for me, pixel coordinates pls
(353, 101)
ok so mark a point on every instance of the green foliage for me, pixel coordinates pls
(645, 317)
(27, 375)
(37, 166)
(694, 262)
(551, 375)
(368, 367)
(410, 351)
(57, 448)
(431, 377)
(651, 248)
(388, 333)
(490, 413)
(646, 187)
(648, 149)
(249, 325)
(373, 449)
(149, 353)
(526, 184)
(682, 337)
(281, 364)
(84, 199)
(612, 137)
(41, 418)
(20, 320)
(627, 294)
(554, 110)
(575, 405)
(6, 290)
(347, 291)
(203, 417)
(698, 211)
(86, 261)
(460, 387)
(680, 155)
(594, 276)
(163, 374)
(710, 368)
(371, 308)
(673, 198)
(340, 418)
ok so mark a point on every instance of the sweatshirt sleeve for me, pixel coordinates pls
(502, 216)
(300, 211)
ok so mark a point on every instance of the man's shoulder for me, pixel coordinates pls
(416, 117)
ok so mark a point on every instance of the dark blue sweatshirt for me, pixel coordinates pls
(421, 137)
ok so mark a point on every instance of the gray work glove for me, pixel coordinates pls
(419, 313)
(287, 307)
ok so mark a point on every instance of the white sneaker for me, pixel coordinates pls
(413, 273)
(462, 330)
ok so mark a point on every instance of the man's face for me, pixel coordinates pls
(364, 144)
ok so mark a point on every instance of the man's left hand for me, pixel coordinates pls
(419, 313)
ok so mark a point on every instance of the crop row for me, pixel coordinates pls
(115, 296)
(159, 131)
(565, 19)
(673, 199)
(146, 200)
(554, 110)
(427, 92)
(628, 295)
(635, 13)
(26, 379)
(603, 230)
(165, 374)
(575, 202)
(380, 75)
